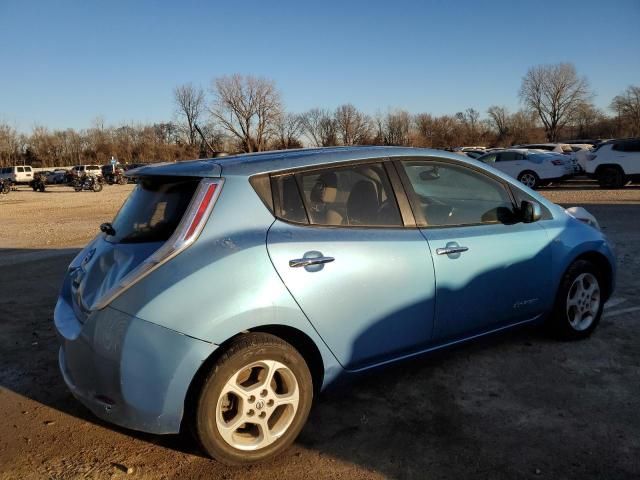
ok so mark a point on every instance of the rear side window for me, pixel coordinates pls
(153, 210)
(632, 146)
(449, 195)
(352, 196)
(19, 169)
(509, 156)
(289, 201)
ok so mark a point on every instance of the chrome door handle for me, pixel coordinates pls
(305, 262)
(450, 250)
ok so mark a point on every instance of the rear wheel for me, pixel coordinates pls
(255, 400)
(611, 177)
(579, 302)
(529, 178)
(97, 186)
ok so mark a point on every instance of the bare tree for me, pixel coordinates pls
(320, 127)
(627, 107)
(353, 126)
(190, 105)
(395, 128)
(288, 127)
(499, 120)
(554, 92)
(247, 108)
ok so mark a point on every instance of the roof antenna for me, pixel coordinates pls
(204, 139)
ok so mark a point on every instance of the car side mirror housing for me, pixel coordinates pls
(530, 211)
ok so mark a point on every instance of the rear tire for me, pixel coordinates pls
(254, 401)
(579, 302)
(529, 179)
(611, 177)
(97, 187)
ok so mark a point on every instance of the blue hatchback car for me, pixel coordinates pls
(227, 292)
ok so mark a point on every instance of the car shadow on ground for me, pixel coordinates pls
(505, 406)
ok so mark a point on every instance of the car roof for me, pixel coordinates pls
(281, 160)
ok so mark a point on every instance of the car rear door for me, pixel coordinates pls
(491, 269)
(363, 279)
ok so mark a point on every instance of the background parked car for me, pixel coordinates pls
(57, 176)
(561, 148)
(17, 174)
(614, 163)
(531, 168)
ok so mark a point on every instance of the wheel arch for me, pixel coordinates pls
(602, 166)
(296, 338)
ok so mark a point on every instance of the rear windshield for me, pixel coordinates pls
(153, 210)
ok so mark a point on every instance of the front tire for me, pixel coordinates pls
(611, 177)
(529, 179)
(254, 402)
(579, 302)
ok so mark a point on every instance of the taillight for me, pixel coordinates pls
(202, 208)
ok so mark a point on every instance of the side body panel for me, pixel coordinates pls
(374, 301)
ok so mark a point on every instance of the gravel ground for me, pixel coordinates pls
(515, 406)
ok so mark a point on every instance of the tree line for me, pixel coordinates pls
(246, 114)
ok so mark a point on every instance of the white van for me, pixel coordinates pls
(17, 173)
(81, 170)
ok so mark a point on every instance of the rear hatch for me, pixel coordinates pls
(150, 227)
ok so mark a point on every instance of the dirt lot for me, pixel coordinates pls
(515, 406)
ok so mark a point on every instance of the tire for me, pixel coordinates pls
(223, 401)
(577, 312)
(529, 178)
(77, 188)
(41, 188)
(611, 177)
(97, 187)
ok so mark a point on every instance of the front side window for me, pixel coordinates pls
(491, 158)
(446, 195)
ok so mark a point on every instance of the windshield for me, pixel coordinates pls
(153, 210)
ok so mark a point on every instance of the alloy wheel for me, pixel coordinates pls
(583, 301)
(257, 405)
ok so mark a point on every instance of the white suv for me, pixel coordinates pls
(614, 163)
(17, 173)
(81, 170)
(530, 167)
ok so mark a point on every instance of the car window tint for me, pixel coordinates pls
(491, 158)
(358, 195)
(509, 156)
(288, 199)
(20, 169)
(445, 194)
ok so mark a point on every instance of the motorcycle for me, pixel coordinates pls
(87, 182)
(5, 186)
(116, 178)
(38, 183)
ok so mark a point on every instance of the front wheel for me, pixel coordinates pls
(529, 178)
(97, 187)
(611, 177)
(579, 302)
(255, 400)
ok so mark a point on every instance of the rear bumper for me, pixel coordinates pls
(128, 371)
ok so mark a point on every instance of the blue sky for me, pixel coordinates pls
(63, 63)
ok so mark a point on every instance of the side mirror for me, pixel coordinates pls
(530, 211)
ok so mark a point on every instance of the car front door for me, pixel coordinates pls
(511, 163)
(491, 269)
(364, 281)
